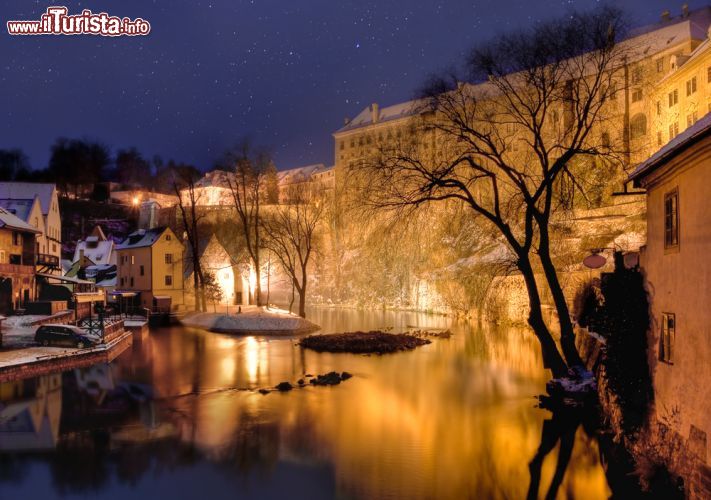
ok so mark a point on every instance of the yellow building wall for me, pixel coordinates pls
(679, 282)
(168, 244)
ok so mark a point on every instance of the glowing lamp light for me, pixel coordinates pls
(135, 201)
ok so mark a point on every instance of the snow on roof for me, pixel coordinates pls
(21, 208)
(11, 221)
(300, 174)
(216, 178)
(142, 238)
(365, 117)
(682, 141)
(99, 252)
(28, 191)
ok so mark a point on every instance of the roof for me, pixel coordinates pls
(66, 279)
(203, 245)
(680, 143)
(365, 117)
(216, 178)
(27, 191)
(21, 208)
(11, 221)
(99, 252)
(696, 22)
(142, 238)
(300, 174)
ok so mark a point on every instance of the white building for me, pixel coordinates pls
(38, 205)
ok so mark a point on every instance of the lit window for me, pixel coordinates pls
(671, 219)
(690, 86)
(666, 340)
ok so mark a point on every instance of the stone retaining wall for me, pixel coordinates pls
(62, 363)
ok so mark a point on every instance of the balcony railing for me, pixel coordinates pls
(44, 259)
(16, 269)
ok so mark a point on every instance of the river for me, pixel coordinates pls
(178, 416)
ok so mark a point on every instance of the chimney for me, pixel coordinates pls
(666, 15)
(81, 254)
(375, 112)
(685, 10)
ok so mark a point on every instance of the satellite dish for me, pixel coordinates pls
(594, 261)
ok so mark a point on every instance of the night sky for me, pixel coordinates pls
(283, 72)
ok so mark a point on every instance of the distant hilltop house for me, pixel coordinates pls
(675, 262)
(213, 189)
(232, 278)
(293, 180)
(17, 262)
(37, 204)
(150, 268)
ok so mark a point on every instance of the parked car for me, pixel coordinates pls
(64, 336)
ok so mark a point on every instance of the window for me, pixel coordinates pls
(660, 65)
(673, 130)
(142, 271)
(636, 95)
(168, 280)
(16, 238)
(167, 237)
(637, 75)
(708, 75)
(638, 126)
(169, 258)
(2, 256)
(133, 260)
(671, 219)
(123, 281)
(659, 108)
(666, 339)
(673, 98)
(605, 139)
(691, 119)
(660, 140)
(690, 86)
(131, 281)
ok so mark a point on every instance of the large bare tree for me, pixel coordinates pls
(291, 234)
(249, 182)
(184, 179)
(509, 146)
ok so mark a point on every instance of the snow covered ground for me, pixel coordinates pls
(252, 319)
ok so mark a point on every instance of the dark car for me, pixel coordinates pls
(64, 336)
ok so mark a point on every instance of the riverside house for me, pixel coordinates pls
(17, 262)
(150, 263)
(677, 265)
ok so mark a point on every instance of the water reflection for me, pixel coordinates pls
(179, 414)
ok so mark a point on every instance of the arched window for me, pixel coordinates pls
(638, 126)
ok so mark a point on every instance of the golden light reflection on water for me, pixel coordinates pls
(454, 419)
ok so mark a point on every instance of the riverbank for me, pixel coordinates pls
(252, 320)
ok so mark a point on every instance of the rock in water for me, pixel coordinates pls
(284, 386)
